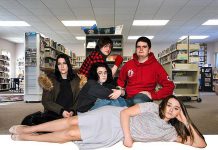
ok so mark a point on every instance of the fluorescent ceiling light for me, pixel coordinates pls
(194, 37)
(13, 23)
(79, 23)
(211, 22)
(80, 37)
(136, 37)
(150, 22)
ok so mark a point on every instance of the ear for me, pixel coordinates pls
(149, 51)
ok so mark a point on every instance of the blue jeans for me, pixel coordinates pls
(138, 98)
(120, 102)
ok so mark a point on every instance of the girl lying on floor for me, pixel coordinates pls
(103, 127)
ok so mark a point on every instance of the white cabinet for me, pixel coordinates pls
(185, 78)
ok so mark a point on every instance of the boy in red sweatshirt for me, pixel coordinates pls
(140, 76)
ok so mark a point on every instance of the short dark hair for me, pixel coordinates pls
(143, 39)
(93, 75)
(70, 74)
(104, 40)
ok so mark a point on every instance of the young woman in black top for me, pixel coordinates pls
(99, 89)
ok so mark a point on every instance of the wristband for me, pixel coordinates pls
(118, 60)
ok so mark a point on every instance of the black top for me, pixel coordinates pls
(90, 92)
(65, 96)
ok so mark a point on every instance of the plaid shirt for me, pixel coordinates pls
(94, 57)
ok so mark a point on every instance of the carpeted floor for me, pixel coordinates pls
(204, 114)
(11, 98)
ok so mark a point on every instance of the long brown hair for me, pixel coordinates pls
(181, 129)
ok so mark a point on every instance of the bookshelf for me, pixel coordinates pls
(206, 83)
(40, 55)
(4, 73)
(79, 61)
(180, 61)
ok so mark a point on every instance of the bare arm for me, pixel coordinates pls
(197, 141)
(125, 123)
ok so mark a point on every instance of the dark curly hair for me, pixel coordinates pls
(70, 74)
(93, 75)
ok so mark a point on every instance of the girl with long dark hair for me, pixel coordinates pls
(60, 91)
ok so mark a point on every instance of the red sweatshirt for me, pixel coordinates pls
(145, 77)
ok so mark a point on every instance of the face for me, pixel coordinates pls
(106, 50)
(102, 74)
(62, 66)
(142, 49)
(172, 109)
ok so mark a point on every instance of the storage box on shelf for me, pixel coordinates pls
(4, 73)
